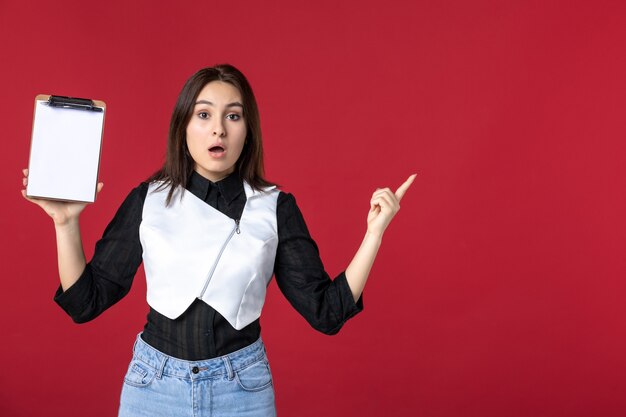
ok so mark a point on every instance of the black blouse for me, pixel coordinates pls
(201, 332)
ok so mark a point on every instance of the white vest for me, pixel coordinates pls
(191, 250)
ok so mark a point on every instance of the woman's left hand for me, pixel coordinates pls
(384, 205)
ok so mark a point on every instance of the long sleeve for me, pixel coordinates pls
(107, 278)
(326, 304)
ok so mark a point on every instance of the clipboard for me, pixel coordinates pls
(65, 148)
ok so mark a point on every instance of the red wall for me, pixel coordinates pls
(499, 290)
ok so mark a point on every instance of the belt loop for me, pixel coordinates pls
(163, 359)
(229, 368)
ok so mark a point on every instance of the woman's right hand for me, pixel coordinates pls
(62, 212)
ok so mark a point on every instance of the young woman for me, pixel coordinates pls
(211, 231)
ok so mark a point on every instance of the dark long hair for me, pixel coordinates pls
(179, 164)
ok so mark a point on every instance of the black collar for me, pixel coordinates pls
(230, 187)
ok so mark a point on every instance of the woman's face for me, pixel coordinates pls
(217, 130)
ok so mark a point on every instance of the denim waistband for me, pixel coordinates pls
(222, 365)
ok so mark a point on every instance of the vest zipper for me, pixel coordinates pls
(230, 236)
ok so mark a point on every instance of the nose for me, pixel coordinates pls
(218, 129)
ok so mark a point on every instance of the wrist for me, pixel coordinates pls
(67, 225)
(373, 236)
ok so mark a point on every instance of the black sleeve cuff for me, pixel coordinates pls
(350, 308)
(72, 300)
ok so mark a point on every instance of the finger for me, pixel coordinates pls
(386, 201)
(25, 172)
(390, 202)
(389, 195)
(27, 197)
(402, 189)
(381, 191)
(99, 187)
(25, 181)
(374, 206)
(32, 200)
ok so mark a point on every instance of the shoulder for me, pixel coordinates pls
(135, 198)
(139, 192)
(286, 207)
(129, 213)
(286, 199)
(256, 191)
(290, 220)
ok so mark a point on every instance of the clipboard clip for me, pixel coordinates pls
(73, 103)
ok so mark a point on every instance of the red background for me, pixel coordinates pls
(499, 289)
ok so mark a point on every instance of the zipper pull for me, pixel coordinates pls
(237, 227)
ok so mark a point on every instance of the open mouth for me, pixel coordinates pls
(216, 149)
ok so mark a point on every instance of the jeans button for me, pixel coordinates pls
(195, 370)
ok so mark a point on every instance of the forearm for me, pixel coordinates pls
(359, 268)
(70, 253)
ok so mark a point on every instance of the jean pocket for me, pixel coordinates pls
(254, 377)
(139, 374)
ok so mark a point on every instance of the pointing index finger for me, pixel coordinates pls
(405, 186)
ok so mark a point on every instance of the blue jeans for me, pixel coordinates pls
(238, 384)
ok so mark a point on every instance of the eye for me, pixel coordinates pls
(203, 115)
(233, 117)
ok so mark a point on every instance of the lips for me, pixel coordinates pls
(217, 151)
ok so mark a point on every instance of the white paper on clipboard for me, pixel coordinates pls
(65, 152)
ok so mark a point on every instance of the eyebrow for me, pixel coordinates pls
(233, 104)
